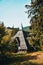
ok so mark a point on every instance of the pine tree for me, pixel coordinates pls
(2, 30)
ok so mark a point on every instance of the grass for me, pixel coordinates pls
(18, 59)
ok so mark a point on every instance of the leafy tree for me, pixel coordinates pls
(35, 10)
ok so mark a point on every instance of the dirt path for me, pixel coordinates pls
(24, 57)
(37, 57)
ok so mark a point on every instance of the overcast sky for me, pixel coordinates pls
(12, 12)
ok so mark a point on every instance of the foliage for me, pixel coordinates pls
(12, 30)
(2, 31)
(13, 46)
(35, 10)
(5, 38)
(35, 7)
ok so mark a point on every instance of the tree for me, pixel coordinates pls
(35, 10)
(2, 31)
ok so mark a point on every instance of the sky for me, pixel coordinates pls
(12, 13)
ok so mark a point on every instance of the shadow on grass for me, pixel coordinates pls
(17, 60)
